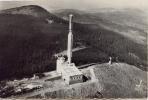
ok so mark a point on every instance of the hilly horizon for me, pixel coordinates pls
(32, 10)
(127, 22)
(30, 36)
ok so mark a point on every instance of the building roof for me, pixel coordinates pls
(71, 70)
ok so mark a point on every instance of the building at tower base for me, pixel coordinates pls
(69, 72)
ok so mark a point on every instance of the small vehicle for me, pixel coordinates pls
(33, 86)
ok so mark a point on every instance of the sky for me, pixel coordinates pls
(76, 4)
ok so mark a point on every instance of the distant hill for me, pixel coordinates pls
(33, 10)
(127, 22)
(29, 37)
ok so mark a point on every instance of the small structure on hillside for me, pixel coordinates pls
(110, 61)
(69, 72)
(50, 21)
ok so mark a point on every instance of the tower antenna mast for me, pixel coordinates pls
(70, 40)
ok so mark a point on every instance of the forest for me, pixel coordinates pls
(28, 44)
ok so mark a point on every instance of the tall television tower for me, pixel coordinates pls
(70, 40)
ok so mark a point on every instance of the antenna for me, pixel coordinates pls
(70, 40)
(70, 22)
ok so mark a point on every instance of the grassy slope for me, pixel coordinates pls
(116, 81)
(121, 77)
(28, 43)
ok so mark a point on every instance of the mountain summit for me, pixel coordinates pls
(32, 10)
(30, 36)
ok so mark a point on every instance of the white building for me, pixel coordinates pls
(70, 73)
